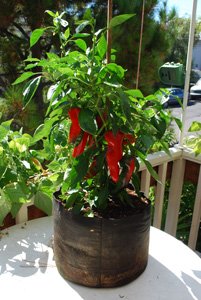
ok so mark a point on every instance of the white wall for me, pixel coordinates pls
(196, 63)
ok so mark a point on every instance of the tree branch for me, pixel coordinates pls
(21, 30)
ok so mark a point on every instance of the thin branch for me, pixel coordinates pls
(21, 30)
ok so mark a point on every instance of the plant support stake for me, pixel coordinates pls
(109, 32)
(140, 46)
(188, 69)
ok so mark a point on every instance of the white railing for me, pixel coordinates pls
(160, 160)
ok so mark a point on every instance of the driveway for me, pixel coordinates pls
(193, 113)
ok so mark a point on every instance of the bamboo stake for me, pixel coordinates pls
(188, 68)
(140, 46)
(109, 32)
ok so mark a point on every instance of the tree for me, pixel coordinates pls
(177, 33)
(21, 17)
(126, 40)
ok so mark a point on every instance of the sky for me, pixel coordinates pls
(185, 7)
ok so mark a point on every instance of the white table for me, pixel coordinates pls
(27, 269)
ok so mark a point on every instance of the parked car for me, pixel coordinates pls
(195, 91)
(172, 96)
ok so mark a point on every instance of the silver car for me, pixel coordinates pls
(195, 91)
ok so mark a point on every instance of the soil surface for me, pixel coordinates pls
(118, 209)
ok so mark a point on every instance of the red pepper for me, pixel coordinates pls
(79, 149)
(114, 153)
(131, 167)
(75, 129)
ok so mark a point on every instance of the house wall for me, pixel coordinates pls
(196, 63)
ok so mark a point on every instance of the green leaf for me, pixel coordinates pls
(102, 199)
(124, 100)
(52, 56)
(81, 44)
(147, 141)
(43, 130)
(195, 126)
(73, 198)
(179, 123)
(30, 66)
(77, 173)
(87, 14)
(32, 59)
(135, 93)
(5, 207)
(197, 148)
(30, 89)
(87, 121)
(102, 46)
(15, 208)
(7, 124)
(116, 69)
(67, 33)
(81, 35)
(82, 26)
(43, 202)
(66, 70)
(35, 36)
(3, 132)
(51, 13)
(160, 125)
(23, 77)
(120, 19)
(16, 192)
(148, 165)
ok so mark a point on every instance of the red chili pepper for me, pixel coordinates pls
(131, 167)
(79, 149)
(75, 129)
(114, 153)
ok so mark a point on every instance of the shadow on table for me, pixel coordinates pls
(24, 254)
(157, 282)
(193, 285)
(28, 253)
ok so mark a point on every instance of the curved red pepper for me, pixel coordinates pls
(75, 128)
(79, 149)
(114, 153)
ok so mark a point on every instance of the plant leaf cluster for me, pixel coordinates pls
(79, 77)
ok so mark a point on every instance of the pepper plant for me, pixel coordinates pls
(111, 126)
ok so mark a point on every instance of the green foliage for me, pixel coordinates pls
(194, 142)
(12, 107)
(75, 155)
(185, 213)
(80, 79)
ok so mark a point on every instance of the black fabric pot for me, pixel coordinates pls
(99, 252)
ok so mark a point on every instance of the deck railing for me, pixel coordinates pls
(160, 161)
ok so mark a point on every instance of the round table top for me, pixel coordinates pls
(28, 271)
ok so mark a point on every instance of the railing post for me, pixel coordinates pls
(196, 216)
(159, 195)
(22, 215)
(145, 182)
(176, 185)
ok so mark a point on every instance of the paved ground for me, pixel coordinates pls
(193, 113)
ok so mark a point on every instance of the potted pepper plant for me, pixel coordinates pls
(101, 219)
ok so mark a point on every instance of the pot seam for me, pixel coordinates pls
(100, 261)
